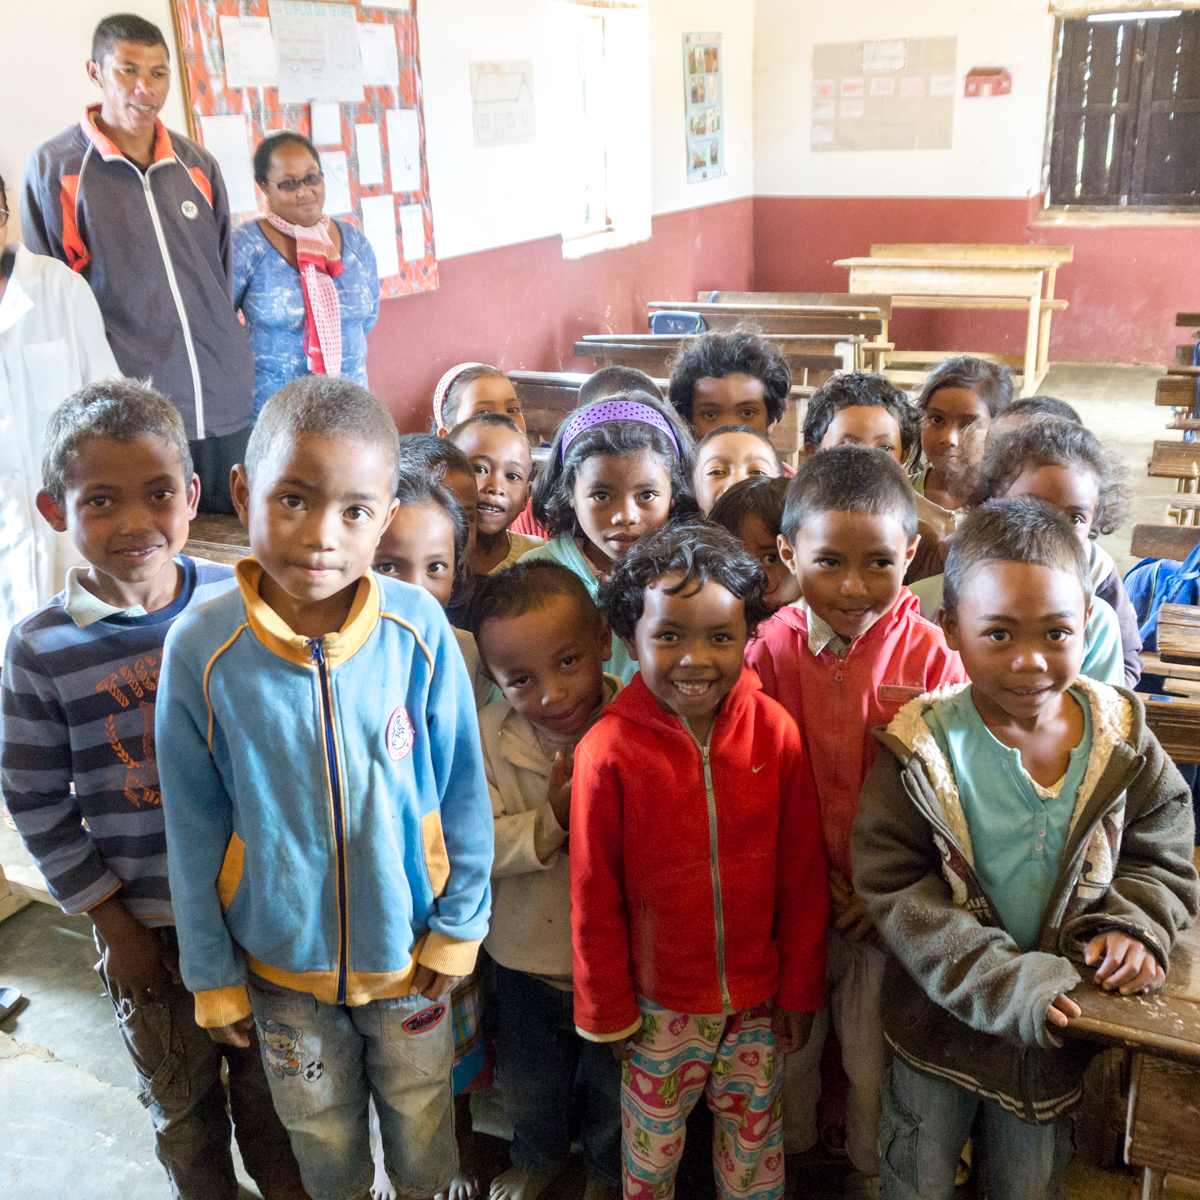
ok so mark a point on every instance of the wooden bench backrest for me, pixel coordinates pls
(1163, 541)
(1175, 391)
(835, 299)
(1176, 724)
(1186, 318)
(218, 538)
(970, 251)
(1175, 460)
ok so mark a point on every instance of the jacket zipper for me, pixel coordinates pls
(339, 827)
(710, 798)
(197, 387)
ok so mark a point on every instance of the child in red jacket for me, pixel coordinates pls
(842, 660)
(699, 901)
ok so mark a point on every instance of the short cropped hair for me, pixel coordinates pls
(990, 381)
(723, 429)
(416, 488)
(437, 456)
(322, 406)
(125, 27)
(526, 587)
(1024, 530)
(1043, 406)
(1050, 442)
(614, 381)
(486, 418)
(716, 355)
(276, 141)
(121, 409)
(857, 389)
(758, 496)
(849, 479)
(701, 553)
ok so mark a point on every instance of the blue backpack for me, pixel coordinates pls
(1158, 581)
(676, 321)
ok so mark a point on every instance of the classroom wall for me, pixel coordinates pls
(1125, 284)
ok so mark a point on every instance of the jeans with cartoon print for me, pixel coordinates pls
(179, 1083)
(324, 1061)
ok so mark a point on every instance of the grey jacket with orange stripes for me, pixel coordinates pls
(156, 247)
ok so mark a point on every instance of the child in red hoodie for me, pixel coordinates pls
(699, 901)
(842, 660)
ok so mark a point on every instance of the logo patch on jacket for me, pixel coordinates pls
(895, 693)
(399, 734)
(189, 210)
(425, 1020)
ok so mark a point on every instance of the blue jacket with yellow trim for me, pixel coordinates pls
(328, 820)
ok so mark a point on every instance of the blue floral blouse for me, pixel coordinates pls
(266, 287)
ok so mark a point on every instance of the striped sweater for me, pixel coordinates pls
(77, 706)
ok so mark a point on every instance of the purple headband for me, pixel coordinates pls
(616, 410)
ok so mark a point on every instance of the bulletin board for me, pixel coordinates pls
(379, 137)
(884, 95)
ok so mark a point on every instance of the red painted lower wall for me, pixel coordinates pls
(1124, 287)
(524, 306)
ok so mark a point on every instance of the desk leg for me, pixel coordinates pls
(1152, 1183)
(1029, 382)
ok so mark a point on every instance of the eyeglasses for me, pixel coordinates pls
(287, 186)
(3, 216)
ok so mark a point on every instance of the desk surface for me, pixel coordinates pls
(1179, 633)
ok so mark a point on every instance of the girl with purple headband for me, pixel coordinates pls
(617, 469)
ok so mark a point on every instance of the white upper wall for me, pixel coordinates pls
(998, 142)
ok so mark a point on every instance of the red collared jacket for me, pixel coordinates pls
(697, 875)
(837, 702)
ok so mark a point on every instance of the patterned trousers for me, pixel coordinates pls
(732, 1059)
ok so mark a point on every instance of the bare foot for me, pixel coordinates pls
(519, 1185)
(595, 1190)
(459, 1189)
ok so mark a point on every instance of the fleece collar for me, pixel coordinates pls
(1112, 723)
(279, 637)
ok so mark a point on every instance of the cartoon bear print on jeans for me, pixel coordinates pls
(284, 1055)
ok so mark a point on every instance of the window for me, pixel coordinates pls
(605, 86)
(1125, 126)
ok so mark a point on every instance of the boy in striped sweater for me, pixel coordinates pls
(78, 687)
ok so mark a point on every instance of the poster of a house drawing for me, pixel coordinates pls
(502, 102)
(702, 106)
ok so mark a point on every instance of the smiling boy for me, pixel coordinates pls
(327, 814)
(80, 682)
(1027, 819)
(141, 213)
(842, 660)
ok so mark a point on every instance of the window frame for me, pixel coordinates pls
(1123, 209)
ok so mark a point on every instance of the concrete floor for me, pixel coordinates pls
(67, 1092)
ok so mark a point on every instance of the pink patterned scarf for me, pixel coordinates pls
(319, 264)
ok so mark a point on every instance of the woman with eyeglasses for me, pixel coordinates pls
(52, 343)
(306, 284)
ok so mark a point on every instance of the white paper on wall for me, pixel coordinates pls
(404, 149)
(337, 182)
(226, 139)
(380, 61)
(370, 160)
(316, 49)
(379, 228)
(249, 52)
(412, 232)
(326, 123)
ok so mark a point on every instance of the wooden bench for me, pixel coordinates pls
(1163, 541)
(1179, 635)
(1179, 461)
(218, 538)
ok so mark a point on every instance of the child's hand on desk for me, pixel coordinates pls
(559, 790)
(624, 1051)
(791, 1029)
(1061, 1010)
(1128, 965)
(433, 985)
(237, 1034)
(849, 913)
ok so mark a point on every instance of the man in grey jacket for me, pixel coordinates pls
(142, 214)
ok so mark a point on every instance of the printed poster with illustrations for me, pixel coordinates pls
(702, 106)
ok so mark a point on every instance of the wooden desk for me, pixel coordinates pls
(966, 277)
(220, 539)
(1179, 633)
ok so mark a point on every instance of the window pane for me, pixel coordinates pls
(1171, 173)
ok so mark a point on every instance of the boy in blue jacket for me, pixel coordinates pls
(329, 830)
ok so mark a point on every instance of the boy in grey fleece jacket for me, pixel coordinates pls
(1023, 822)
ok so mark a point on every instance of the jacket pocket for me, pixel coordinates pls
(48, 365)
(230, 876)
(437, 861)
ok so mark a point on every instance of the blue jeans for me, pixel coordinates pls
(323, 1061)
(926, 1123)
(539, 1056)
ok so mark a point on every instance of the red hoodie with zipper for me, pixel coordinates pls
(837, 702)
(697, 873)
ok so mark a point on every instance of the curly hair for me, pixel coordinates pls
(555, 488)
(1046, 442)
(857, 389)
(715, 355)
(990, 381)
(418, 488)
(526, 587)
(757, 496)
(701, 553)
(1042, 406)
(1024, 530)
